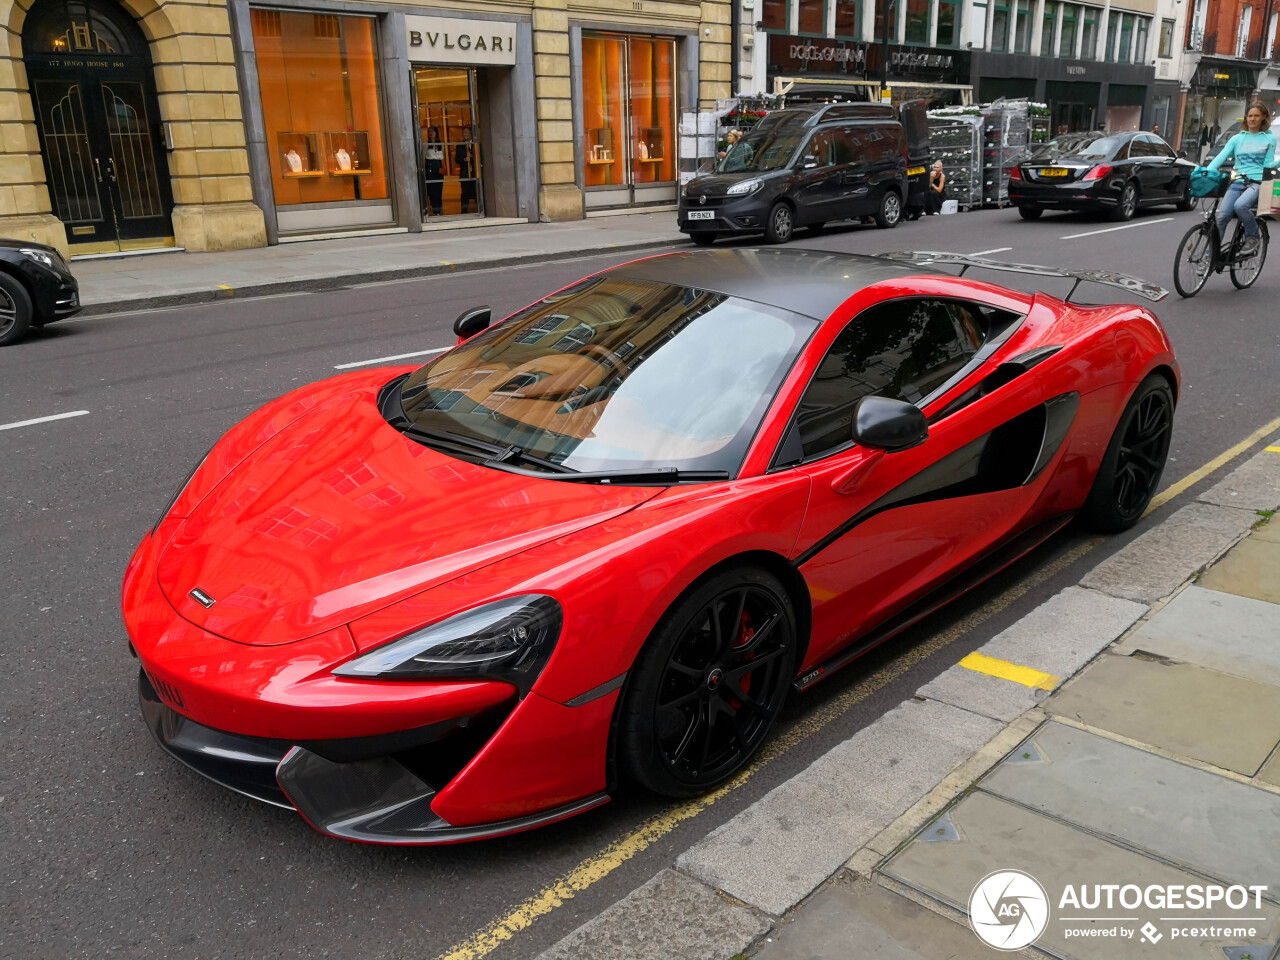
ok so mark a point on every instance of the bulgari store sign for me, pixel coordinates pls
(471, 42)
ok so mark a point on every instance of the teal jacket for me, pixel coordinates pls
(1253, 152)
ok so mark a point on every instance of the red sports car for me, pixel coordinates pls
(596, 544)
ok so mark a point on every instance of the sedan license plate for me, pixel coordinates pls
(1053, 172)
(701, 214)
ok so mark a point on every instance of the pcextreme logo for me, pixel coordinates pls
(1009, 910)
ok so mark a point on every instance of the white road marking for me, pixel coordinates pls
(983, 253)
(398, 356)
(56, 416)
(1127, 226)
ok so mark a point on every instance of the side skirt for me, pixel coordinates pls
(981, 569)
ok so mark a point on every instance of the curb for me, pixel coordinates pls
(341, 281)
(722, 865)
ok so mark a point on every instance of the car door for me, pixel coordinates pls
(883, 529)
(818, 190)
(1162, 163)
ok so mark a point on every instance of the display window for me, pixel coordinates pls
(628, 100)
(321, 106)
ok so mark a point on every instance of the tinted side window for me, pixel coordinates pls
(902, 349)
(1159, 148)
(1139, 147)
(820, 149)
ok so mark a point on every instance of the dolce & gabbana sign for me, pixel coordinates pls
(471, 42)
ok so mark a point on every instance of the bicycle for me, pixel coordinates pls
(1201, 252)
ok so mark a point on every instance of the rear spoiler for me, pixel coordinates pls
(1148, 291)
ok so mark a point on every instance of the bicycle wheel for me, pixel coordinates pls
(1194, 260)
(1244, 271)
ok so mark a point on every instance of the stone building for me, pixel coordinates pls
(136, 124)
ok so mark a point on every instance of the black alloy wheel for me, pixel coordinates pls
(781, 223)
(1186, 201)
(703, 239)
(15, 310)
(709, 684)
(1030, 213)
(1127, 205)
(1135, 459)
(890, 213)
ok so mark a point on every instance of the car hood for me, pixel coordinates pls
(339, 514)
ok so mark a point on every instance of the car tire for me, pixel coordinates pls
(1186, 201)
(1135, 459)
(890, 213)
(1127, 205)
(708, 684)
(781, 224)
(704, 239)
(1030, 213)
(16, 310)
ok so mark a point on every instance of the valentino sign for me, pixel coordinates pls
(474, 42)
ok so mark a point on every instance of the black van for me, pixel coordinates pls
(802, 168)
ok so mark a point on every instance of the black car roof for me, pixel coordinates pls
(811, 282)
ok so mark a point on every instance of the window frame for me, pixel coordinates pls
(1049, 20)
(928, 22)
(957, 8)
(1165, 51)
(857, 19)
(1072, 12)
(800, 32)
(1090, 19)
(994, 338)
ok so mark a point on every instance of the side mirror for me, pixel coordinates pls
(808, 163)
(470, 322)
(889, 425)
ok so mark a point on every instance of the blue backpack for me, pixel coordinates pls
(1209, 183)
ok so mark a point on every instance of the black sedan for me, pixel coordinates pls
(1116, 173)
(36, 287)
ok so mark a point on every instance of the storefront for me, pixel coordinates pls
(465, 114)
(813, 66)
(1220, 91)
(628, 91)
(1081, 94)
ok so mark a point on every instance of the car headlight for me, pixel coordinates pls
(746, 186)
(39, 256)
(509, 640)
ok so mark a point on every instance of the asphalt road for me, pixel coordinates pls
(111, 849)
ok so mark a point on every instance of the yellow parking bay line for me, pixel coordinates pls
(1027, 676)
(1160, 499)
(1273, 449)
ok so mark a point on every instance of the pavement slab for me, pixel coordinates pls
(1250, 570)
(783, 846)
(995, 834)
(1156, 563)
(1195, 819)
(1270, 772)
(670, 916)
(1254, 485)
(850, 918)
(1058, 637)
(1188, 710)
(1222, 631)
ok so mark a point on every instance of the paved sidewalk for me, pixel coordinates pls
(1125, 732)
(165, 279)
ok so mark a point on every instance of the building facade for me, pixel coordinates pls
(132, 124)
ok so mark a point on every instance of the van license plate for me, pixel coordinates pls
(915, 171)
(701, 215)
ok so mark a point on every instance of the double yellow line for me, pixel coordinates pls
(600, 865)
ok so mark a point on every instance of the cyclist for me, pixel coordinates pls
(1254, 149)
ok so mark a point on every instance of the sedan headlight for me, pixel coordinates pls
(509, 640)
(39, 256)
(746, 186)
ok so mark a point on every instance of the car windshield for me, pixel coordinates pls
(1103, 148)
(615, 374)
(1064, 145)
(765, 148)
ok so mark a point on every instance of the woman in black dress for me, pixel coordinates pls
(433, 170)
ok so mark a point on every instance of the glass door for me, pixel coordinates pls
(628, 97)
(451, 160)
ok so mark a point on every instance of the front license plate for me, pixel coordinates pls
(701, 215)
(914, 171)
(1053, 172)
